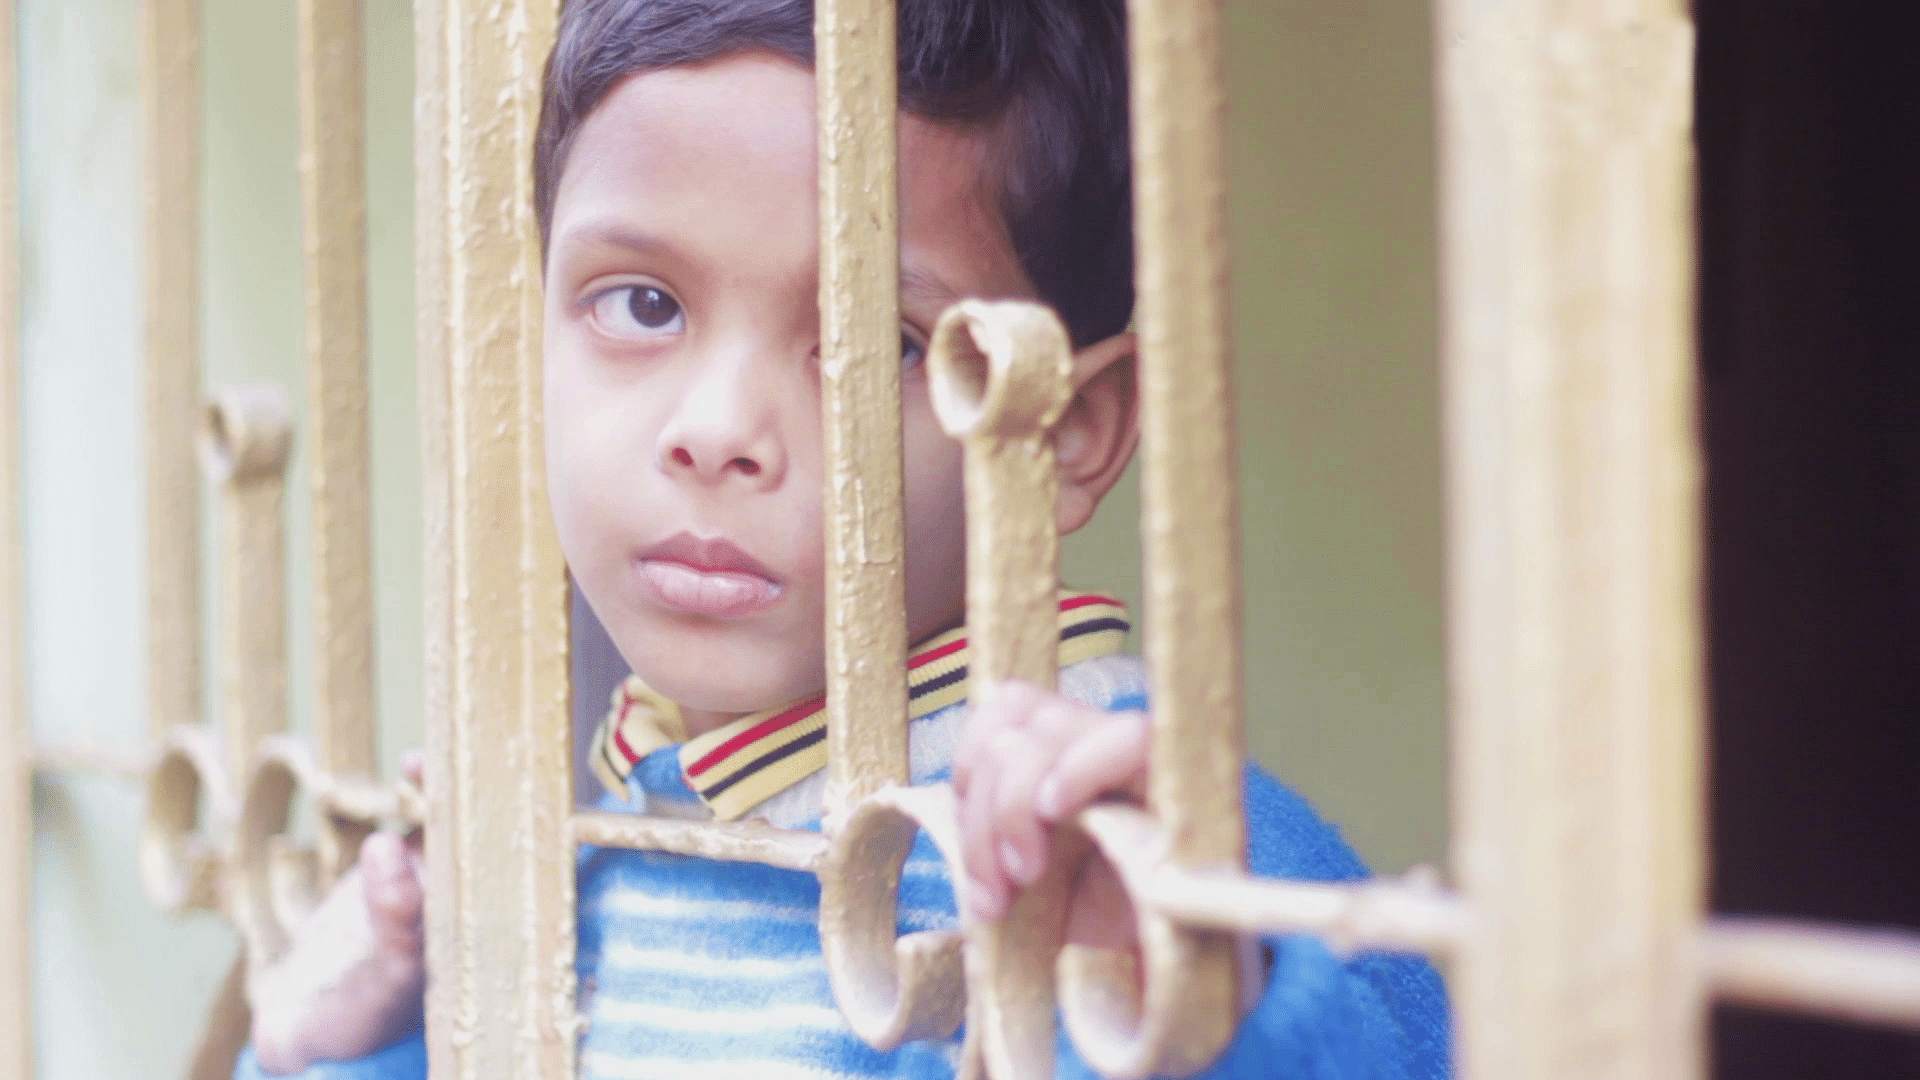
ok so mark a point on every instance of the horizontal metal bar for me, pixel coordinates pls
(1409, 914)
(1865, 976)
(370, 803)
(743, 841)
(90, 757)
(1396, 915)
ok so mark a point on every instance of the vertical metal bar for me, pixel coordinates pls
(16, 731)
(1190, 523)
(500, 900)
(170, 103)
(866, 628)
(1001, 374)
(244, 447)
(1573, 493)
(1190, 512)
(224, 1031)
(333, 224)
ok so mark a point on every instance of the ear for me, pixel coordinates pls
(1096, 436)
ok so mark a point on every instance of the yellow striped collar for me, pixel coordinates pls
(742, 764)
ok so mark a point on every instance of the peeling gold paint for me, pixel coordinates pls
(866, 631)
(500, 931)
(1001, 375)
(1190, 535)
(891, 990)
(744, 841)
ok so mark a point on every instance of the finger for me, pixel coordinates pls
(1107, 758)
(994, 706)
(413, 765)
(987, 890)
(1021, 840)
(395, 900)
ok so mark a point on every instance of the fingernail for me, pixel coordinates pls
(1046, 798)
(1016, 864)
(985, 903)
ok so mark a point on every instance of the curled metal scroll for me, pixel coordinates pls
(1001, 377)
(1168, 1012)
(246, 433)
(891, 989)
(188, 807)
(276, 879)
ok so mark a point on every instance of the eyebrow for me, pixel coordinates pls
(926, 283)
(616, 235)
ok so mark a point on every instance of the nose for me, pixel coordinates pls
(725, 428)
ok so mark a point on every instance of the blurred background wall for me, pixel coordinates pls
(1333, 242)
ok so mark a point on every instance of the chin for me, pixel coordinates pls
(706, 696)
(711, 680)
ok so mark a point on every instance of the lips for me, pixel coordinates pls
(708, 577)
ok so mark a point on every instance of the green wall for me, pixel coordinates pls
(1332, 230)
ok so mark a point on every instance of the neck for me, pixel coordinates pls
(700, 721)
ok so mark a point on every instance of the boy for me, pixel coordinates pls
(675, 187)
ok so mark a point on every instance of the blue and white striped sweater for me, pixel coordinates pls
(691, 968)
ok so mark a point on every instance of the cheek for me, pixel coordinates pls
(936, 526)
(593, 451)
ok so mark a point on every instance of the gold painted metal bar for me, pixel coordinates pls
(225, 1030)
(16, 729)
(1574, 492)
(1001, 375)
(170, 103)
(500, 886)
(743, 841)
(333, 225)
(1407, 915)
(187, 821)
(1190, 533)
(860, 399)
(893, 988)
(1860, 976)
(244, 447)
(1191, 524)
(70, 756)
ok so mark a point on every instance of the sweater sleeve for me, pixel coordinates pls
(1372, 1016)
(1322, 1016)
(403, 1060)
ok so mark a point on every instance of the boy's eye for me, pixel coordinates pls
(911, 352)
(638, 311)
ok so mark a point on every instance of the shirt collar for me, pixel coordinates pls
(740, 765)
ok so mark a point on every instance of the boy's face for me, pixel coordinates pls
(684, 444)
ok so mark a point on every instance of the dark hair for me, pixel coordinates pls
(1045, 79)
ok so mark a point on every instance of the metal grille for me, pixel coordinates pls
(1576, 933)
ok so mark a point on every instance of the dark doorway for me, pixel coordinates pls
(1809, 132)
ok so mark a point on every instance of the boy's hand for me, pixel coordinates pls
(1029, 758)
(353, 979)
